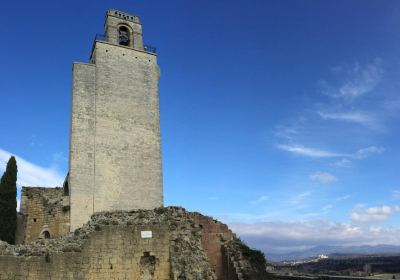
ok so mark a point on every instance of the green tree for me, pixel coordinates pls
(8, 202)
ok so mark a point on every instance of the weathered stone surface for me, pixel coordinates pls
(110, 246)
(214, 235)
(115, 149)
(243, 263)
(44, 213)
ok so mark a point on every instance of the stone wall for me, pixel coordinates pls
(127, 123)
(114, 252)
(81, 152)
(214, 235)
(115, 19)
(115, 148)
(45, 214)
(113, 246)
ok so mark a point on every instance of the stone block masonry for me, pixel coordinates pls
(115, 147)
(44, 214)
(111, 253)
(159, 244)
(215, 234)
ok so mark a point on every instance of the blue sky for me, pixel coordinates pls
(277, 117)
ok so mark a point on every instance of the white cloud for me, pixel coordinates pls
(299, 198)
(286, 132)
(373, 214)
(317, 153)
(396, 194)
(260, 199)
(306, 151)
(344, 162)
(363, 153)
(327, 207)
(213, 198)
(355, 81)
(392, 104)
(353, 117)
(283, 237)
(30, 174)
(323, 177)
(341, 198)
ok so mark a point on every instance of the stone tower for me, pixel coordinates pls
(115, 150)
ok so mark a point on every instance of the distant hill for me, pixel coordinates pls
(334, 250)
(347, 265)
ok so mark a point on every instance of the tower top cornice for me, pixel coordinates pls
(122, 15)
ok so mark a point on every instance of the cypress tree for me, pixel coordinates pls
(8, 202)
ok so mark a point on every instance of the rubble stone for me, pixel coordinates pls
(184, 245)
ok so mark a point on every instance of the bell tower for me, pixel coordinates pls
(123, 29)
(115, 149)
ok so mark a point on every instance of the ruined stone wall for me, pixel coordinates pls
(111, 253)
(20, 230)
(111, 246)
(43, 210)
(214, 235)
(181, 246)
(229, 270)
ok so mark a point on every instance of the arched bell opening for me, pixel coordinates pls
(124, 36)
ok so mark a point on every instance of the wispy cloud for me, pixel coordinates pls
(286, 132)
(373, 214)
(323, 177)
(30, 174)
(307, 151)
(352, 117)
(341, 198)
(318, 153)
(354, 81)
(327, 207)
(349, 82)
(359, 155)
(299, 198)
(260, 199)
(396, 194)
(32, 140)
(344, 162)
(213, 198)
(363, 153)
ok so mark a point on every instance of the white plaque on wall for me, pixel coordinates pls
(146, 234)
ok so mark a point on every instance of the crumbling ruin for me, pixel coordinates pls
(164, 243)
(44, 213)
